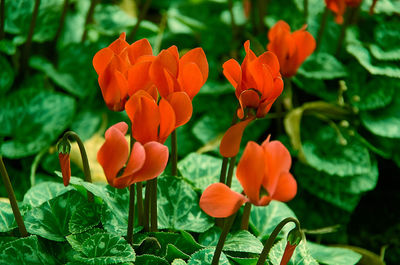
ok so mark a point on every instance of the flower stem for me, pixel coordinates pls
(89, 18)
(322, 27)
(27, 48)
(246, 216)
(85, 161)
(11, 196)
(62, 20)
(224, 166)
(2, 8)
(153, 217)
(227, 226)
(142, 15)
(349, 18)
(232, 163)
(305, 7)
(146, 215)
(139, 197)
(272, 237)
(131, 217)
(174, 154)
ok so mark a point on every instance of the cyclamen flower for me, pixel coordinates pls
(263, 172)
(123, 70)
(258, 84)
(122, 169)
(155, 122)
(339, 7)
(291, 48)
(65, 165)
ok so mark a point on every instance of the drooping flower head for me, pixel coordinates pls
(257, 84)
(123, 70)
(64, 149)
(291, 48)
(339, 7)
(263, 172)
(123, 168)
(152, 121)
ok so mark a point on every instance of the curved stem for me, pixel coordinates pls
(89, 18)
(28, 44)
(232, 163)
(153, 217)
(131, 216)
(139, 196)
(85, 161)
(246, 216)
(272, 237)
(174, 154)
(227, 226)
(13, 200)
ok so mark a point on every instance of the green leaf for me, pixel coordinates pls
(344, 193)
(112, 20)
(8, 47)
(104, 248)
(180, 23)
(243, 261)
(147, 259)
(76, 240)
(333, 255)
(43, 192)
(174, 253)
(25, 251)
(33, 119)
(205, 256)
(322, 66)
(51, 219)
(301, 255)
(336, 154)
(84, 218)
(364, 94)
(6, 75)
(364, 58)
(264, 219)
(315, 87)
(178, 262)
(380, 54)
(384, 122)
(203, 170)
(7, 220)
(178, 206)
(86, 123)
(240, 241)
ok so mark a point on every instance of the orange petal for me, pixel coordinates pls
(182, 106)
(119, 45)
(219, 201)
(249, 99)
(167, 120)
(280, 26)
(286, 188)
(233, 72)
(101, 59)
(174, 51)
(191, 79)
(198, 57)
(305, 43)
(278, 162)
(155, 163)
(230, 143)
(269, 58)
(250, 170)
(114, 88)
(138, 77)
(114, 152)
(138, 49)
(65, 167)
(136, 160)
(163, 72)
(143, 112)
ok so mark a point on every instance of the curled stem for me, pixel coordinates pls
(85, 161)
(227, 226)
(131, 216)
(272, 237)
(13, 200)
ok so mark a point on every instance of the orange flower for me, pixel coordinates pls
(152, 122)
(290, 48)
(263, 172)
(288, 253)
(339, 7)
(173, 74)
(65, 167)
(257, 84)
(123, 70)
(121, 169)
